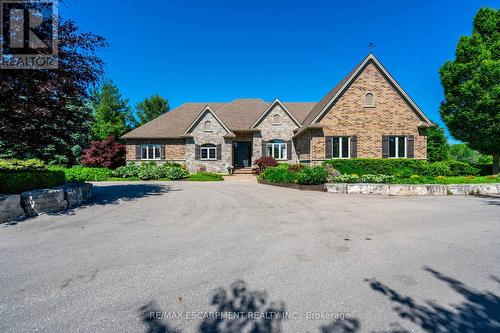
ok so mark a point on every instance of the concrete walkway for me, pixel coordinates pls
(421, 264)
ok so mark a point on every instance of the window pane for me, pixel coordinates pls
(144, 152)
(336, 147)
(204, 153)
(401, 146)
(345, 147)
(212, 152)
(283, 150)
(270, 149)
(392, 146)
(276, 151)
(157, 152)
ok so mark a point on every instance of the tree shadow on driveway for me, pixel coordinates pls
(479, 312)
(112, 194)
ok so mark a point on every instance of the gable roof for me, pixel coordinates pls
(270, 107)
(239, 114)
(333, 95)
(242, 114)
(206, 110)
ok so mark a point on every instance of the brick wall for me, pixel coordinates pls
(175, 149)
(390, 115)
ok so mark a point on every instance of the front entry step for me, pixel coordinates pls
(242, 171)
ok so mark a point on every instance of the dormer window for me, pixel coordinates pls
(207, 127)
(369, 99)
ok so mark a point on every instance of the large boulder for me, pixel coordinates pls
(395, 189)
(336, 188)
(43, 201)
(367, 188)
(10, 207)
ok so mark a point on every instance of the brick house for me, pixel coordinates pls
(366, 115)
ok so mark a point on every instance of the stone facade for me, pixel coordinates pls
(390, 115)
(216, 135)
(270, 129)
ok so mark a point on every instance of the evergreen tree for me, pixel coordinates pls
(437, 145)
(112, 115)
(150, 108)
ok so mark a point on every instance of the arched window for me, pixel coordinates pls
(208, 152)
(277, 149)
(369, 99)
(276, 119)
(207, 126)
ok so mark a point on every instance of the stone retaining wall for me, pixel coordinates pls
(417, 189)
(17, 206)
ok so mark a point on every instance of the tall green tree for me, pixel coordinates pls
(44, 113)
(471, 109)
(437, 145)
(150, 108)
(112, 115)
(463, 153)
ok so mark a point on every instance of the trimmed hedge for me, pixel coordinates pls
(401, 167)
(14, 164)
(287, 174)
(17, 181)
(150, 171)
(83, 174)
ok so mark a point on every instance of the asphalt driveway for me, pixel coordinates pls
(381, 263)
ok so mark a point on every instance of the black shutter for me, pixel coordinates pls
(354, 146)
(289, 150)
(162, 151)
(137, 152)
(264, 148)
(196, 152)
(410, 146)
(385, 146)
(219, 152)
(328, 147)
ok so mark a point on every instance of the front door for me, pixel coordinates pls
(242, 152)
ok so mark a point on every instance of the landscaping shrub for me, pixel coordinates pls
(403, 168)
(381, 179)
(312, 176)
(436, 169)
(462, 169)
(150, 171)
(266, 162)
(278, 174)
(83, 174)
(127, 171)
(15, 164)
(347, 179)
(296, 167)
(17, 181)
(175, 172)
(106, 154)
(205, 177)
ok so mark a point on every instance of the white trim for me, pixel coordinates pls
(208, 149)
(206, 110)
(397, 146)
(386, 73)
(270, 107)
(279, 144)
(154, 152)
(341, 139)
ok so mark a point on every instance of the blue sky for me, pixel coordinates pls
(295, 50)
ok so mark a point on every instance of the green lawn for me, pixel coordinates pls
(449, 180)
